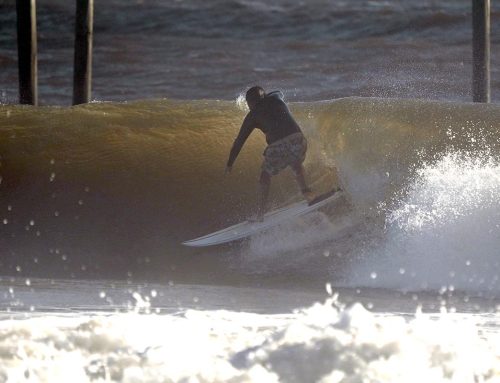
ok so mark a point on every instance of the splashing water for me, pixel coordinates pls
(241, 103)
(445, 231)
(455, 188)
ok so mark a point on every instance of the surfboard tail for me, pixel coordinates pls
(324, 196)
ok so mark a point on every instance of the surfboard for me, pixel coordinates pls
(271, 219)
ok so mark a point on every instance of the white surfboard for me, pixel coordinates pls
(273, 218)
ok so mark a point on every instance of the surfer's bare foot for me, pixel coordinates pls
(309, 195)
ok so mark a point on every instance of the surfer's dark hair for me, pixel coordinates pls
(255, 94)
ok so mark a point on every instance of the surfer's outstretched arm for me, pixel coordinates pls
(246, 128)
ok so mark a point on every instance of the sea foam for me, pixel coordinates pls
(324, 343)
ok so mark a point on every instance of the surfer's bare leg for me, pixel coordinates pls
(265, 185)
(301, 180)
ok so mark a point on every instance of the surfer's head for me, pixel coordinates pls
(254, 95)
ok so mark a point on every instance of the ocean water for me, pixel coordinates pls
(396, 282)
(313, 50)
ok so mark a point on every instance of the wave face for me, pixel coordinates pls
(111, 189)
(313, 49)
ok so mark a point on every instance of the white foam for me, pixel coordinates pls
(445, 231)
(322, 344)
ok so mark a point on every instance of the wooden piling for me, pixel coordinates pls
(481, 50)
(27, 51)
(82, 74)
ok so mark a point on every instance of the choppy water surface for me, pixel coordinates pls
(313, 49)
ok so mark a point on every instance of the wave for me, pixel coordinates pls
(111, 189)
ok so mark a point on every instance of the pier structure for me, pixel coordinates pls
(481, 50)
(82, 72)
(27, 51)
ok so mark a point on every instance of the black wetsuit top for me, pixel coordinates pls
(271, 115)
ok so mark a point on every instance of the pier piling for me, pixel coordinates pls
(27, 51)
(481, 50)
(82, 75)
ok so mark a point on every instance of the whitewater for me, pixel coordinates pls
(122, 332)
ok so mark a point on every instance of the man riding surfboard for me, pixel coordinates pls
(287, 145)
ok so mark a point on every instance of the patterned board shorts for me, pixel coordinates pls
(285, 152)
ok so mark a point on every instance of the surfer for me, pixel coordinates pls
(287, 146)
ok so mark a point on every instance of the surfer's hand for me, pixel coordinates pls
(228, 170)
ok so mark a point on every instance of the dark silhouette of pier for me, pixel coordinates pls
(481, 50)
(27, 52)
